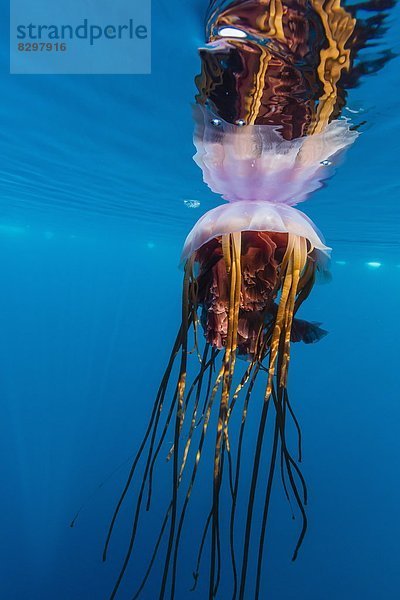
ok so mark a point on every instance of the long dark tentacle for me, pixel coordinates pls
(154, 415)
(279, 399)
(178, 426)
(250, 505)
(230, 471)
(136, 518)
(232, 251)
(279, 339)
(214, 353)
(197, 381)
(97, 488)
(266, 508)
(284, 484)
(218, 534)
(200, 552)
(159, 445)
(196, 572)
(154, 555)
(200, 448)
(237, 478)
(186, 501)
(289, 462)
(296, 423)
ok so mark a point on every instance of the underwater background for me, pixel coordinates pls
(95, 178)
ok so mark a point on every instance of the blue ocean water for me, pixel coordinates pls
(94, 173)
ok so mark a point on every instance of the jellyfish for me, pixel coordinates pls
(248, 267)
(267, 135)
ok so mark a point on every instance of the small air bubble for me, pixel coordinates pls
(326, 163)
(240, 123)
(216, 122)
(191, 203)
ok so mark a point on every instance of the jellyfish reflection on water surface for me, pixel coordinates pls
(267, 129)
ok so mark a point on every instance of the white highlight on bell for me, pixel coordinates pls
(232, 32)
(374, 264)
